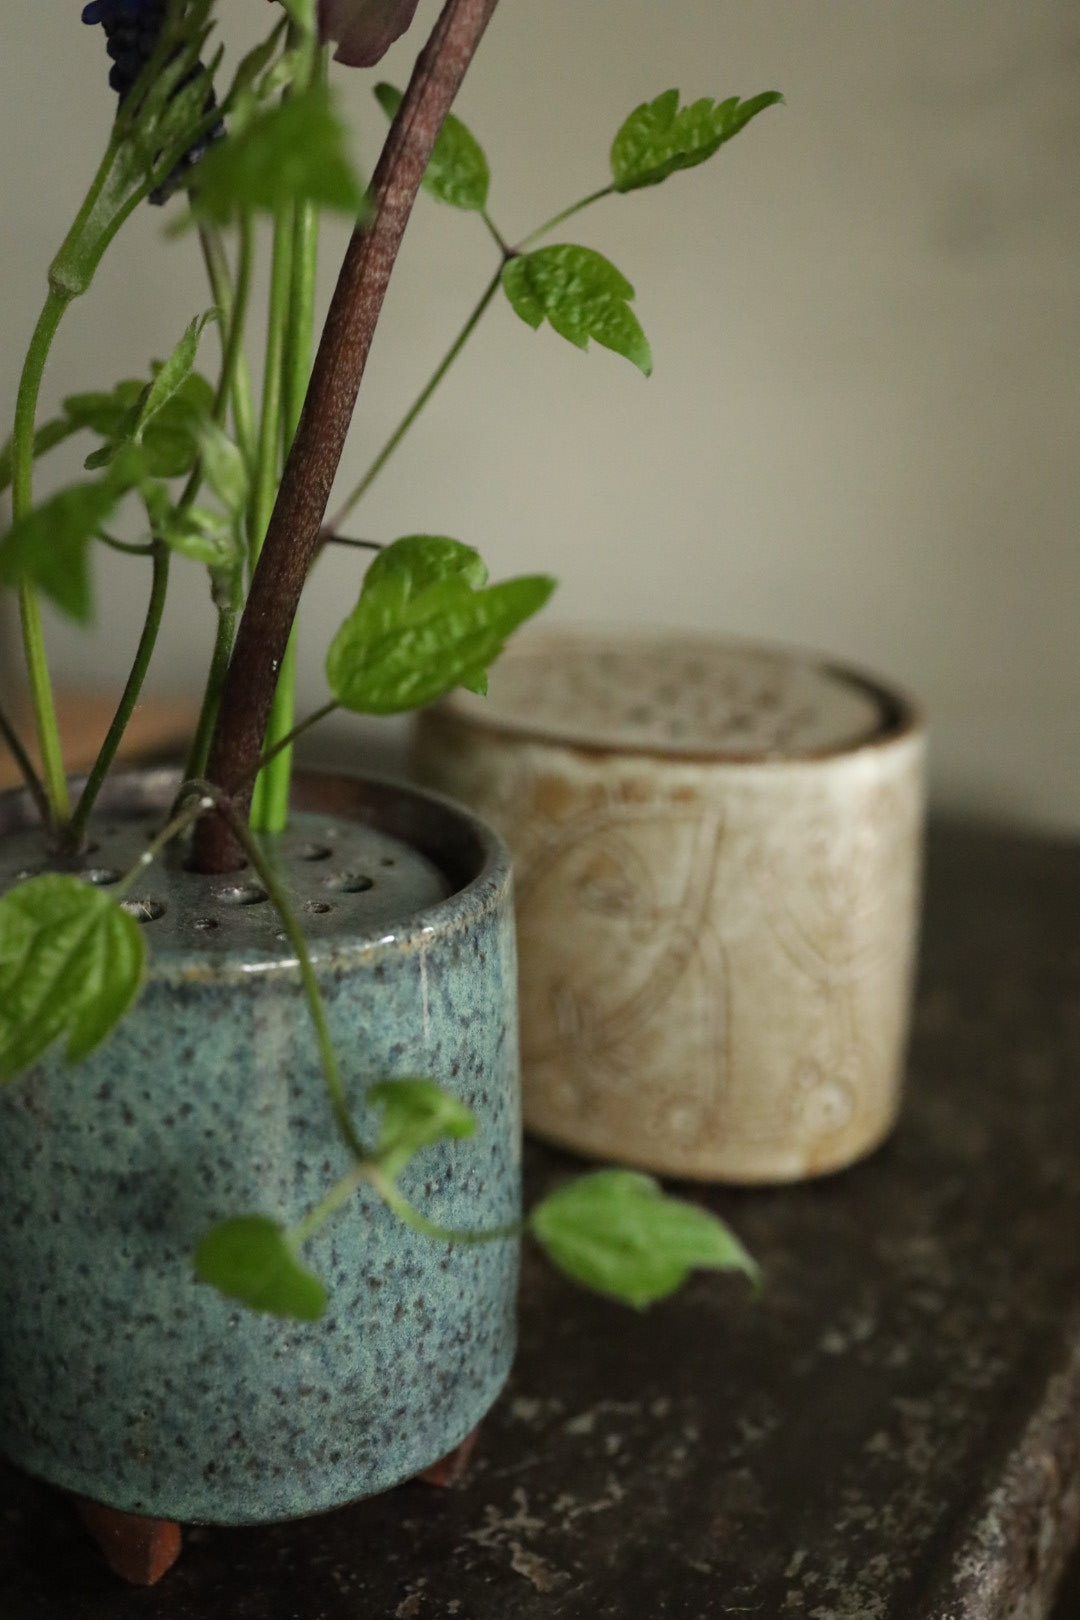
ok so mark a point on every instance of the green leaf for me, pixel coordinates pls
(290, 152)
(47, 547)
(415, 1113)
(222, 463)
(170, 377)
(423, 625)
(201, 534)
(71, 961)
(660, 137)
(457, 171)
(582, 295)
(616, 1232)
(249, 1258)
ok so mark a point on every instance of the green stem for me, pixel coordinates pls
(500, 240)
(234, 385)
(268, 452)
(26, 767)
(339, 1194)
(567, 213)
(268, 878)
(297, 731)
(196, 802)
(22, 500)
(227, 610)
(412, 1217)
(421, 400)
(126, 707)
(271, 803)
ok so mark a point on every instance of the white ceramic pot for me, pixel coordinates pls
(717, 862)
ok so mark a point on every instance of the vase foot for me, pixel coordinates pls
(450, 1470)
(138, 1549)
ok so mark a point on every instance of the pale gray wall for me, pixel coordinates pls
(862, 431)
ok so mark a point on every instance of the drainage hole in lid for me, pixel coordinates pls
(315, 852)
(387, 860)
(206, 925)
(101, 876)
(319, 907)
(350, 882)
(241, 894)
(145, 910)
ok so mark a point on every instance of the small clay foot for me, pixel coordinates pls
(140, 1550)
(450, 1470)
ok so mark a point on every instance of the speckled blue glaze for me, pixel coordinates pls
(121, 1376)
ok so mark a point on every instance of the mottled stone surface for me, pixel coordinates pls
(891, 1434)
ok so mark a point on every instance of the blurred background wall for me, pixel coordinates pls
(862, 431)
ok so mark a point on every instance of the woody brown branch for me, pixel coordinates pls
(294, 535)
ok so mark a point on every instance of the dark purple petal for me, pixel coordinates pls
(364, 30)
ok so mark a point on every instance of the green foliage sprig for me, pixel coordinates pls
(202, 464)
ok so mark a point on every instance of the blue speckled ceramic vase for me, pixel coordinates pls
(121, 1376)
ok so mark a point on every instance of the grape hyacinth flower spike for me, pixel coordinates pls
(132, 30)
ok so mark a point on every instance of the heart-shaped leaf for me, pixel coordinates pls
(660, 137)
(423, 625)
(616, 1232)
(582, 295)
(71, 962)
(249, 1258)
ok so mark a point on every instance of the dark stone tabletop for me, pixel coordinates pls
(891, 1433)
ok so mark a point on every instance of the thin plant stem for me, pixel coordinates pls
(267, 460)
(271, 805)
(567, 213)
(405, 1212)
(195, 804)
(144, 652)
(129, 548)
(297, 731)
(22, 500)
(26, 766)
(278, 898)
(500, 241)
(227, 610)
(418, 404)
(339, 1195)
(234, 385)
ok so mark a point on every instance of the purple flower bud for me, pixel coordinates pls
(364, 30)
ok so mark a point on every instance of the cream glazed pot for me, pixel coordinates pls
(717, 853)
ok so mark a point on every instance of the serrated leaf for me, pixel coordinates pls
(615, 1231)
(292, 151)
(421, 626)
(660, 137)
(457, 171)
(249, 1258)
(582, 295)
(170, 377)
(47, 547)
(415, 1114)
(71, 962)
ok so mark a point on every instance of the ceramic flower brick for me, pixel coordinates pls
(240, 487)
